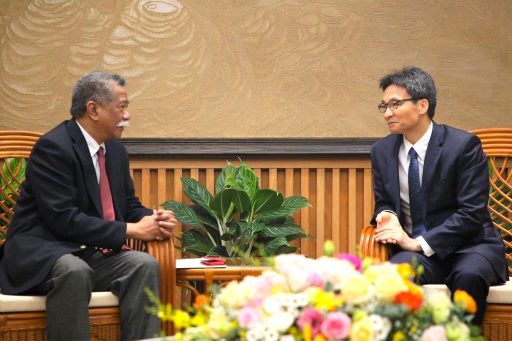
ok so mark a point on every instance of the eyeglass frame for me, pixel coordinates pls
(396, 104)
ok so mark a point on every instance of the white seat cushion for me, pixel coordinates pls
(21, 303)
(497, 293)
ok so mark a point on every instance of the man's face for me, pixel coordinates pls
(406, 117)
(114, 116)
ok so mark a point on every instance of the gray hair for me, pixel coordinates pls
(95, 86)
(418, 83)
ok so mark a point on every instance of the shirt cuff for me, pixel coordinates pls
(427, 250)
(389, 211)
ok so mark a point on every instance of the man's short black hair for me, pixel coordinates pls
(95, 86)
(418, 83)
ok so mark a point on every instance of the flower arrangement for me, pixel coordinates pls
(329, 298)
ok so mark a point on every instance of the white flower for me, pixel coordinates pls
(270, 334)
(280, 321)
(381, 327)
(255, 334)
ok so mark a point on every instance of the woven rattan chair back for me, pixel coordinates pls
(15, 148)
(497, 144)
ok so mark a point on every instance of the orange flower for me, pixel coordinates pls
(409, 299)
(200, 301)
(466, 300)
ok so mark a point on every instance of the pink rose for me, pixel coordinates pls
(248, 317)
(358, 265)
(336, 326)
(434, 333)
(314, 279)
(313, 318)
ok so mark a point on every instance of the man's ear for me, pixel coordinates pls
(92, 110)
(423, 105)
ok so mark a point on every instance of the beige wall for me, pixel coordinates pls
(248, 68)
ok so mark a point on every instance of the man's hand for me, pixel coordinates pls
(389, 231)
(154, 227)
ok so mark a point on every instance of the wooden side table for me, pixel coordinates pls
(211, 275)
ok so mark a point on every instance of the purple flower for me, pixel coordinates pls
(313, 318)
(358, 265)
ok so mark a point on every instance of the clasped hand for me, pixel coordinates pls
(157, 226)
(390, 231)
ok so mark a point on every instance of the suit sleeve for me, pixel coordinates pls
(53, 174)
(472, 194)
(382, 200)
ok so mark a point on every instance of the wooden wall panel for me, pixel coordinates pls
(339, 191)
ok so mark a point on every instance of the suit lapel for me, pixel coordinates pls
(434, 150)
(82, 151)
(393, 173)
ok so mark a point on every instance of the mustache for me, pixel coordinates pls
(123, 124)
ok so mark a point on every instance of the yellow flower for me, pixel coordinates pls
(405, 270)
(181, 319)
(199, 319)
(362, 330)
(326, 300)
(320, 337)
(399, 336)
(306, 332)
(356, 289)
(388, 285)
(466, 300)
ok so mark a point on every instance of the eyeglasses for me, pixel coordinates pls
(393, 104)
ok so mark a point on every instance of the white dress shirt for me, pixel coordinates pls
(93, 150)
(403, 175)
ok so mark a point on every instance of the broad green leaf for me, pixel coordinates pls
(266, 200)
(297, 236)
(196, 192)
(241, 201)
(274, 245)
(222, 202)
(286, 249)
(207, 217)
(195, 242)
(246, 180)
(183, 213)
(226, 178)
(281, 231)
(218, 250)
(289, 206)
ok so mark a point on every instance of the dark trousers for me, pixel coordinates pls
(74, 277)
(470, 272)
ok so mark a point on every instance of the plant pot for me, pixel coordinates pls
(244, 261)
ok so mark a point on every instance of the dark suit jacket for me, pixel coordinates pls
(59, 208)
(455, 187)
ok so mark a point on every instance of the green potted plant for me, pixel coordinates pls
(240, 220)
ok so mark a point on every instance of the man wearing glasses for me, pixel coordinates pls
(431, 190)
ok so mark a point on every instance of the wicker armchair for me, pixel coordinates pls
(497, 144)
(19, 323)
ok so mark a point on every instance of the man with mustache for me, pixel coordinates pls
(431, 187)
(76, 208)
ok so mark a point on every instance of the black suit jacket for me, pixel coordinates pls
(455, 188)
(59, 208)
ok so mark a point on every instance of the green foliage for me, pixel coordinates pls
(12, 175)
(240, 219)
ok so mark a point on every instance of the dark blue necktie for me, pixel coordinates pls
(415, 196)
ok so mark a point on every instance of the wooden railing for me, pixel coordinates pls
(338, 188)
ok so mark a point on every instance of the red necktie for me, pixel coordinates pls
(106, 196)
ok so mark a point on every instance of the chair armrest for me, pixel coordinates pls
(164, 253)
(368, 247)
